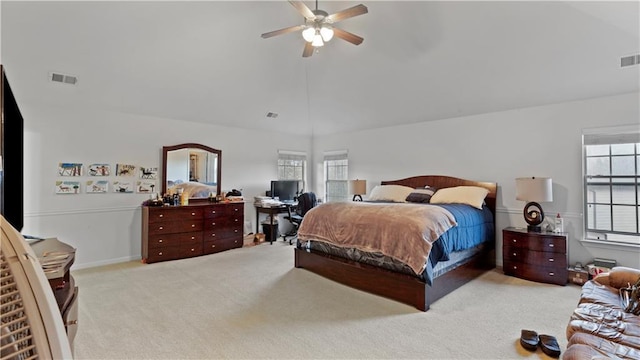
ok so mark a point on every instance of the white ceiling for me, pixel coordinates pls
(421, 60)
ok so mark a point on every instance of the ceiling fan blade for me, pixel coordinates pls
(345, 35)
(308, 49)
(303, 9)
(282, 31)
(347, 13)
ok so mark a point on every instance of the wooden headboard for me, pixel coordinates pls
(440, 181)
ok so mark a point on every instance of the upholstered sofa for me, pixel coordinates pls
(599, 327)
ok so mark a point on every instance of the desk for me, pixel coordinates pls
(275, 210)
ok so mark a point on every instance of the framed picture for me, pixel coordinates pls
(122, 187)
(145, 187)
(96, 187)
(70, 169)
(150, 173)
(125, 170)
(67, 187)
(99, 170)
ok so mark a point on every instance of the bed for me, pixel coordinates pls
(410, 287)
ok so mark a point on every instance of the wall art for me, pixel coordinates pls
(145, 186)
(122, 187)
(150, 173)
(99, 170)
(67, 187)
(70, 169)
(97, 187)
(125, 170)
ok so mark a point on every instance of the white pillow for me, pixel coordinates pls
(471, 195)
(394, 193)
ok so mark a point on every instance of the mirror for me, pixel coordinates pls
(194, 168)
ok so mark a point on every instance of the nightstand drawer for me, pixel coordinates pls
(538, 258)
(537, 243)
(551, 275)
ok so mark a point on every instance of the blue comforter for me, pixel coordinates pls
(474, 227)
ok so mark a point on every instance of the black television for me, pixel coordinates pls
(285, 190)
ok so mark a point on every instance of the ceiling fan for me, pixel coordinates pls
(318, 26)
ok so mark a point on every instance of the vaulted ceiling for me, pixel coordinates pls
(205, 61)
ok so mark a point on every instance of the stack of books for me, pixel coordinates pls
(266, 201)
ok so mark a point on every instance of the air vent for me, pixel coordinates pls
(62, 78)
(272, 115)
(629, 60)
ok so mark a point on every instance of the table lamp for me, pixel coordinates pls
(357, 188)
(534, 190)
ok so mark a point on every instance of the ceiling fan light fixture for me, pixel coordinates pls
(317, 40)
(309, 33)
(326, 32)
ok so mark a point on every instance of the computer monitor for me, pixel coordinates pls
(285, 190)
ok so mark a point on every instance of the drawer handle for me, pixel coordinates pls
(236, 210)
(160, 253)
(212, 246)
(193, 214)
(213, 235)
(193, 225)
(213, 224)
(552, 260)
(236, 230)
(213, 211)
(160, 240)
(551, 245)
(161, 215)
(515, 268)
(514, 240)
(235, 241)
(192, 250)
(193, 238)
(551, 274)
(71, 322)
(514, 254)
(160, 228)
(236, 220)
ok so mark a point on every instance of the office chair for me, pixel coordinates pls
(306, 201)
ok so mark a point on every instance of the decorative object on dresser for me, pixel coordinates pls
(31, 323)
(357, 188)
(355, 267)
(176, 232)
(534, 190)
(536, 256)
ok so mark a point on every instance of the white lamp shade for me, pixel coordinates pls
(308, 34)
(537, 189)
(327, 33)
(317, 40)
(357, 187)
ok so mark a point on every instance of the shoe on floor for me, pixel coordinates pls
(549, 345)
(529, 339)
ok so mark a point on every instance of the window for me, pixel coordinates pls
(292, 165)
(336, 166)
(611, 186)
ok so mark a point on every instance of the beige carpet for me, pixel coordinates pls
(252, 303)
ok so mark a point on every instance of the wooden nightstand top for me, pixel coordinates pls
(523, 230)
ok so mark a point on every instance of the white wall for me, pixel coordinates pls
(540, 141)
(106, 228)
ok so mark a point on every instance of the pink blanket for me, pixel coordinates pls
(402, 231)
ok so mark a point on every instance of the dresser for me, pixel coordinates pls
(177, 232)
(535, 256)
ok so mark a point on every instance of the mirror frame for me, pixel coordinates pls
(166, 149)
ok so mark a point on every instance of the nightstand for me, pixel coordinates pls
(536, 256)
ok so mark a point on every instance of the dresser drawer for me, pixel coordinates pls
(167, 240)
(224, 210)
(222, 222)
(538, 258)
(214, 246)
(168, 213)
(170, 227)
(223, 233)
(174, 252)
(552, 275)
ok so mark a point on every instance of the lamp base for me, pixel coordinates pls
(357, 198)
(534, 228)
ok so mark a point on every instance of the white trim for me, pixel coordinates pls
(83, 211)
(105, 262)
(292, 152)
(604, 244)
(610, 130)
